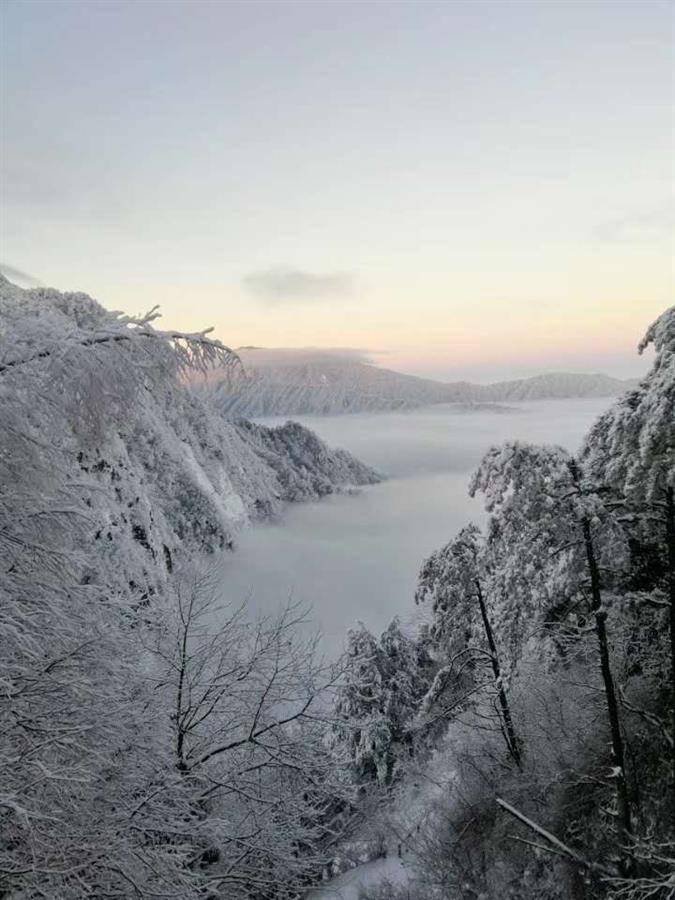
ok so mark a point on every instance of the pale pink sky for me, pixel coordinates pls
(479, 188)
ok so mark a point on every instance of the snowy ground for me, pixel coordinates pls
(347, 886)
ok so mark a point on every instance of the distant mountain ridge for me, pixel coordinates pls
(554, 385)
(308, 382)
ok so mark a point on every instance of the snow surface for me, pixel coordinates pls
(348, 886)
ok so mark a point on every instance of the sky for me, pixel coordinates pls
(459, 189)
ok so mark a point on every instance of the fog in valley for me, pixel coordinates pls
(356, 557)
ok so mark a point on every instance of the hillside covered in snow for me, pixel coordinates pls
(163, 473)
(136, 698)
(305, 382)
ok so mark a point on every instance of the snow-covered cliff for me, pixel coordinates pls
(152, 469)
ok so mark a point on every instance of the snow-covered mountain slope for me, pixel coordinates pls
(147, 468)
(303, 465)
(554, 385)
(314, 384)
(132, 681)
(287, 382)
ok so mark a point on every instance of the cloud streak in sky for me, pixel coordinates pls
(283, 284)
(298, 356)
(23, 279)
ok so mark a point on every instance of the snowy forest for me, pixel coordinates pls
(159, 739)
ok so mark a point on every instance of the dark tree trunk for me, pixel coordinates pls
(180, 732)
(511, 738)
(608, 680)
(670, 538)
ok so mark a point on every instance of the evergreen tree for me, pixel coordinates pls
(547, 511)
(630, 453)
(457, 580)
(382, 686)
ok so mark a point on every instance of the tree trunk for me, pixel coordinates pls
(670, 538)
(608, 680)
(180, 733)
(511, 738)
(556, 844)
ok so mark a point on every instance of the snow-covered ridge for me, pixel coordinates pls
(285, 382)
(132, 685)
(304, 466)
(156, 470)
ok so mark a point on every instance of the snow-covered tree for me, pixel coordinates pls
(457, 579)
(632, 446)
(78, 745)
(361, 723)
(243, 701)
(630, 453)
(382, 685)
(546, 511)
